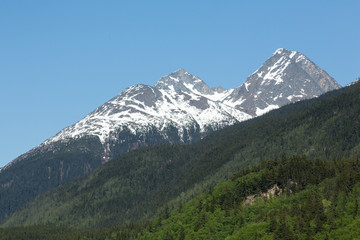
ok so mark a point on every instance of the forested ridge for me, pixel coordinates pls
(311, 199)
(143, 184)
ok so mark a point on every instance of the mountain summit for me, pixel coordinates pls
(180, 108)
(182, 81)
(287, 76)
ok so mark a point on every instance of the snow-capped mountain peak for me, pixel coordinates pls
(178, 100)
(184, 101)
(181, 80)
(287, 76)
(182, 107)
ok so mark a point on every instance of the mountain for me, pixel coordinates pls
(287, 76)
(183, 108)
(139, 184)
(180, 108)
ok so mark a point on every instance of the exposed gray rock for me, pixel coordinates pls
(287, 76)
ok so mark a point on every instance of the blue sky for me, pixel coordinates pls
(59, 60)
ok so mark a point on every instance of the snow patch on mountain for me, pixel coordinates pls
(270, 107)
(276, 72)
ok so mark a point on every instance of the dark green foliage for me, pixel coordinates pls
(119, 192)
(311, 212)
(317, 209)
(26, 179)
(137, 185)
(52, 233)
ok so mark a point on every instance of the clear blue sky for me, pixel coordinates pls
(59, 60)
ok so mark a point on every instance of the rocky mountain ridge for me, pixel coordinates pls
(183, 108)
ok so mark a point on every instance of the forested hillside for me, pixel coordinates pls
(309, 200)
(290, 198)
(138, 185)
(21, 183)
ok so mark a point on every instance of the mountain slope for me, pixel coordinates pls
(138, 184)
(293, 198)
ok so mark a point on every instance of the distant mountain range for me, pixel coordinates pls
(180, 108)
